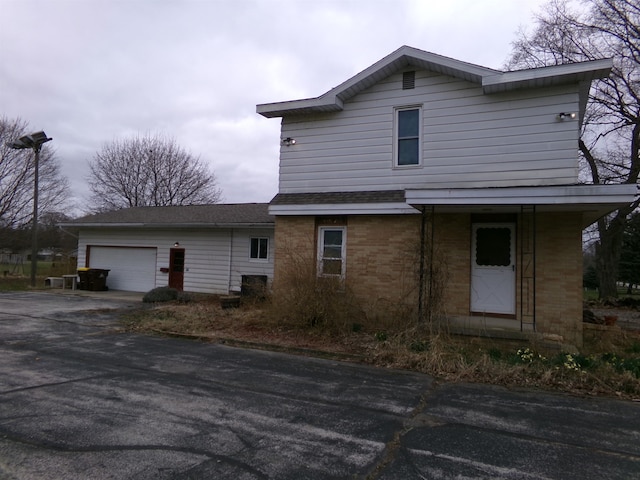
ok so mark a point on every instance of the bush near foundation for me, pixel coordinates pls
(165, 294)
(301, 297)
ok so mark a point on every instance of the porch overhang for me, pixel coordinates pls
(390, 202)
(344, 209)
(591, 201)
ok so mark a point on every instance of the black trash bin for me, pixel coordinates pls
(83, 274)
(97, 278)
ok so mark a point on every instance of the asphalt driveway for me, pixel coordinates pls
(81, 399)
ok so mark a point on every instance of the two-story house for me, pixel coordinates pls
(423, 175)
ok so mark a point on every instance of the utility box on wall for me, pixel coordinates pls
(254, 286)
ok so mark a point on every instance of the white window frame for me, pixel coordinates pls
(258, 258)
(343, 251)
(396, 138)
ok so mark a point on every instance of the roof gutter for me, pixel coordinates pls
(167, 225)
(66, 231)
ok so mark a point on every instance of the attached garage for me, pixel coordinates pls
(195, 248)
(130, 268)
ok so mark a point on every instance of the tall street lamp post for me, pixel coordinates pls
(33, 141)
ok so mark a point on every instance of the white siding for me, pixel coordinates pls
(469, 139)
(241, 264)
(208, 253)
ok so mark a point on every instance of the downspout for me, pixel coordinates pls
(534, 267)
(431, 261)
(230, 261)
(423, 222)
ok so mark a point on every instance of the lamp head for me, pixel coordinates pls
(33, 140)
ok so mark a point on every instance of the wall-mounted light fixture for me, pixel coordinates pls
(566, 116)
(177, 244)
(287, 142)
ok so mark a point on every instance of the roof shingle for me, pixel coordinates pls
(186, 215)
(328, 198)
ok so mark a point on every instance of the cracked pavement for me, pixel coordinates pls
(79, 399)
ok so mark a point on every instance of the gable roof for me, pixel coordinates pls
(492, 81)
(201, 216)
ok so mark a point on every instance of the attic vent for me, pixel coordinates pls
(408, 80)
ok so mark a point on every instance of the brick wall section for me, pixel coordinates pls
(294, 245)
(383, 257)
(382, 262)
(452, 238)
(559, 276)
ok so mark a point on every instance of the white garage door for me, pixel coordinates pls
(131, 269)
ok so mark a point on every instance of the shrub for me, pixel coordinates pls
(631, 365)
(590, 278)
(381, 336)
(183, 297)
(634, 348)
(418, 346)
(161, 294)
(303, 298)
(495, 354)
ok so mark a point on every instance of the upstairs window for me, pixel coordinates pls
(407, 137)
(331, 251)
(259, 249)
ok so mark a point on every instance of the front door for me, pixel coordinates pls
(493, 270)
(176, 268)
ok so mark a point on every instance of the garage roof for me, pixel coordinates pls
(218, 215)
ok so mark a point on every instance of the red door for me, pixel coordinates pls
(176, 268)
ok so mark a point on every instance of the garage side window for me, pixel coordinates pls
(259, 248)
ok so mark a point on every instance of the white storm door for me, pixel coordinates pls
(493, 270)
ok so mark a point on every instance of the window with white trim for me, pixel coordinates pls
(331, 251)
(259, 248)
(408, 125)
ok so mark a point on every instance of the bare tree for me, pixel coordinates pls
(610, 137)
(149, 170)
(17, 178)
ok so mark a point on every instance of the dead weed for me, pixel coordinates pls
(609, 364)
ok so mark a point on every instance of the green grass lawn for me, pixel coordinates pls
(592, 294)
(18, 277)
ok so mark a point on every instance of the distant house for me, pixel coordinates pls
(197, 248)
(468, 171)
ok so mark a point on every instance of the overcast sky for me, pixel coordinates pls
(90, 71)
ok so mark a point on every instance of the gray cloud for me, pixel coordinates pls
(90, 71)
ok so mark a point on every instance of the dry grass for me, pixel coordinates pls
(611, 371)
(608, 365)
(253, 323)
